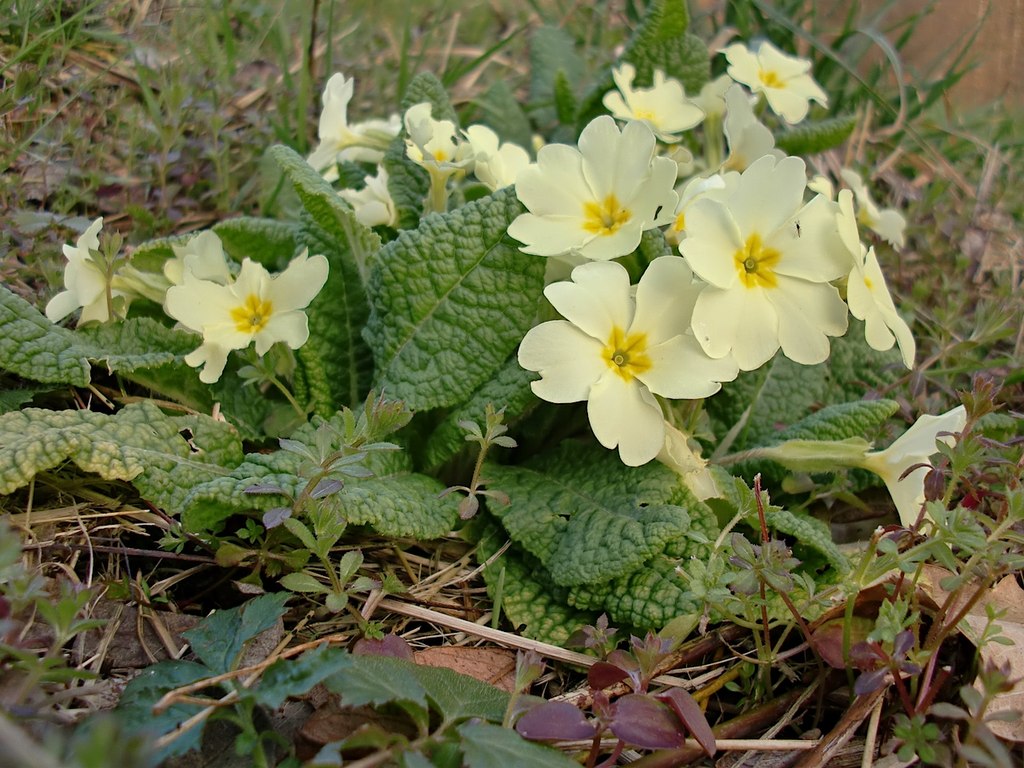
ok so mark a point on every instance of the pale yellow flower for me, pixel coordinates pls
(916, 446)
(664, 106)
(86, 283)
(595, 201)
(340, 141)
(888, 223)
(784, 80)
(617, 350)
(257, 307)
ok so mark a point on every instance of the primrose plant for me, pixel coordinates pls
(652, 259)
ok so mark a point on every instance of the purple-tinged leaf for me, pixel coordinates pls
(604, 675)
(689, 711)
(555, 721)
(643, 722)
(389, 645)
(274, 517)
(871, 681)
(902, 643)
(326, 487)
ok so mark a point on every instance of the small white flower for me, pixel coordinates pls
(372, 204)
(255, 307)
(867, 293)
(596, 200)
(617, 352)
(748, 138)
(435, 144)
(915, 446)
(885, 222)
(496, 164)
(784, 80)
(339, 141)
(663, 107)
(768, 260)
(86, 283)
(203, 256)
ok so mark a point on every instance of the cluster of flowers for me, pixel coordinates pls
(768, 260)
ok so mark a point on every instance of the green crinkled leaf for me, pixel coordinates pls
(135, 344)
(812, 137)
(270, 242)
(501, 111)
(808, 532)
(426, 87)
(163, 456)
(394, 501)
(589, 518)
(449, 303)
(491, 746)
(336, 362)
(533, 604)
(782, 393)
(647, 599)
(509, 388)
(379, 680)
(34, 348)
(842, 421)
(661, 41)
(552, 53)
(217, 640)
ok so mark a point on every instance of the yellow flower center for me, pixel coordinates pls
(680, 223)
(770, 78)
(440, 156)
(644, 114)
(606, 217)
(755, 263)
(627, 355)
(252, 316)
(867, 283)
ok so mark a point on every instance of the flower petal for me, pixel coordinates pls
(808, 313)
(597, 299)
(626, 415)
(568, 360)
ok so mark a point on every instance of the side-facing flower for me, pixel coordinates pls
(496, 164)
(768, 259)
(915, 446)
(597, 200)
(255, 307)
(748, 138)
(359, 142)
(664, 106)
(436, 146)
(784, 80)
(887, 223)
(88, 283)
(203, 256)
(867, 293)
(617, 351)
(372, 204)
